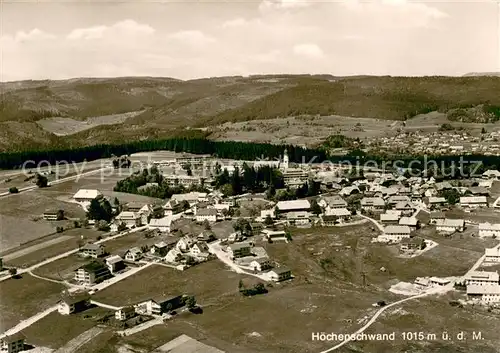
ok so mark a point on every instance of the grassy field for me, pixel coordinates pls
(433, 316)
(208, 282)
(34, 257)
(20, 216)
(62, 269)
(55, 330)
(327, 294)
(25, 297)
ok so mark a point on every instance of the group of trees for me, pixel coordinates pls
(308, 189)
(249, 179)
(41, 181)
(121, 162)
(258, 288)
(100, 210)
(220, 149)
(135, 183)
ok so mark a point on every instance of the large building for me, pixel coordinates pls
(12, 344)
(485, 294)
(293, 206)
(92, 273)
(489, 230)
(396, 233)
(450, 225)
(86, 195)
(482, 278)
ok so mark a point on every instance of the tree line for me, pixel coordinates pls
(158, 188)
(220, 149)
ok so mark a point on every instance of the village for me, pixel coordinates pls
(217, 220)
(443, 142)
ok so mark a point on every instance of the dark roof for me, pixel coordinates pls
(94, 266)
(14, 337)
(280, 270)
(415, 241)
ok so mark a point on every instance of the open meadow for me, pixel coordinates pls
(37, 295)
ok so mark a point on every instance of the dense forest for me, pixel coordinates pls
(220, 149)
(246, 151)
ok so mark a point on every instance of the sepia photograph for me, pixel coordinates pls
(249, 176)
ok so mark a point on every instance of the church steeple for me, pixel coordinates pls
(285, 159)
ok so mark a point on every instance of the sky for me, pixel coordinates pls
(61, 39)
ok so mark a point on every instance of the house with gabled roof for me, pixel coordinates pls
(372, 204)
(473, 201)
(70, 304)
(237, 250)
(450, 225)
(134, 254)
(261, 264)
(279, 274)
(406, 208)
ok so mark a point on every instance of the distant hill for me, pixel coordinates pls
(482, 74)
(103, 110)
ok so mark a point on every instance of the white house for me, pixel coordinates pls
(198, 249)
(133, 254)
(125, 313)
(489, 230)
(274, 234)
(114, 263)
(293, 206)
(238, 250)
(340, 214)
(271, 213)
(172, 207)
(72, 304)
(435, 202)
(372, 203)
(485, 294)
(411, 222)
(406, 208)
(332, 202)
(280, 274)
(131, 219)
(208, 214)
(492, 174)
(396, 233)
(298, 218)
(450, 225)
(492, 255)
(473, 201)
(86, 195)
(390, 217)
(482, 278)
(185, 243)
(261, 264)
(173, 256)
(162, 224)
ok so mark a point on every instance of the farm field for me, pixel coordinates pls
(37, 251)
(62, 269)
(312, 130)
(21, 216)
(37, 295)
(207, 282)
(415, 316)
(55, 330)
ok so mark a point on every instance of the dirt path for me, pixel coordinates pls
(80, 340)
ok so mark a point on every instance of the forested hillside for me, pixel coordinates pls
(165, 107)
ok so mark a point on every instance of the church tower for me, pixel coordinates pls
(285, 160)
